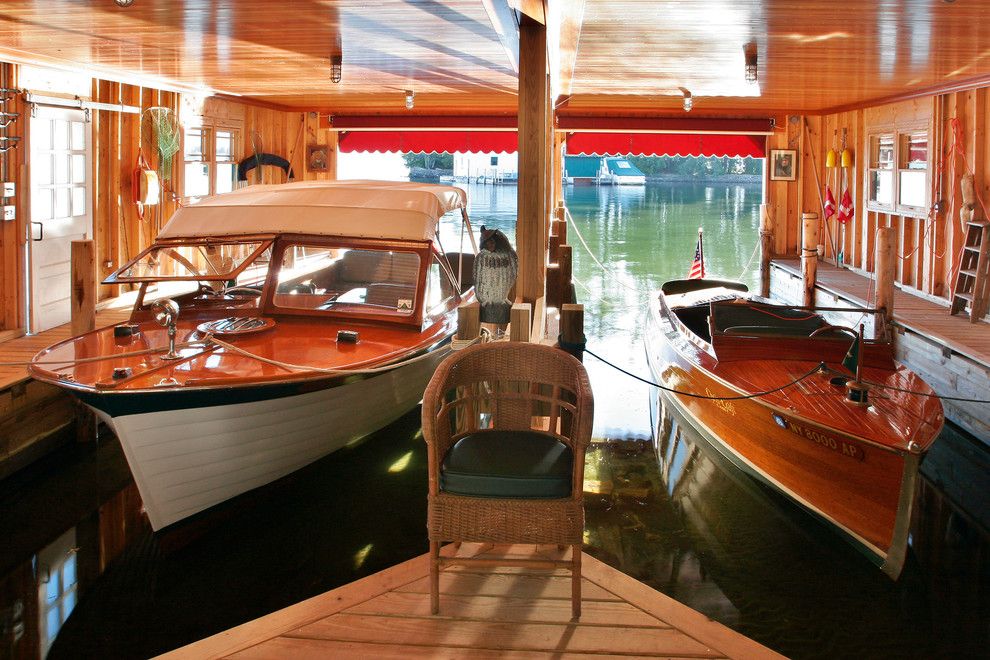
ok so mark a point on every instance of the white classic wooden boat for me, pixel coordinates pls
(303, 316)
(847, 449)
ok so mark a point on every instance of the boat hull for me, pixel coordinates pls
(185, 460)
(861, 488)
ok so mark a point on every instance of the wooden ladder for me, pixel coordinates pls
(971, 282)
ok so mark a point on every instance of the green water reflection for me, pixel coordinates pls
(644, 235)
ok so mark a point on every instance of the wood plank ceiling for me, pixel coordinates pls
(617, 56)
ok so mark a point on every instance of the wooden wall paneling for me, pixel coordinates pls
(935, 237)
(105, 232)
(296, 144)
(13, 234)
(331, 138)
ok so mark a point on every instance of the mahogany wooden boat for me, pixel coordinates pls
(304, 316)
(850, 462)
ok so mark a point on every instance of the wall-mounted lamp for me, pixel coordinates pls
(410, 99)
(752, 62)
(336, 67)
(688, 101)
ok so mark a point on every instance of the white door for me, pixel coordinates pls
(60, 210)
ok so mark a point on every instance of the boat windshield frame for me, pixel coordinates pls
(264, 242)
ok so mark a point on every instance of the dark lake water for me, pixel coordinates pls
(670, 513)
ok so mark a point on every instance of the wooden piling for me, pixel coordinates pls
(83, 319)
(572, 329)
(809, 255)
(886, 266)
(83, 303)
(520, 321)
(564, 275)
(469, 320)
(766, 249)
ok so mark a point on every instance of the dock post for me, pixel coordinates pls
(766, 249)
(520, 322)
(83, 319)
(572, 329)
(886, 264)
(565, 260)
(809, 256)
(469, 320)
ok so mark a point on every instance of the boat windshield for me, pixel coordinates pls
(326, 277)
(198, 261)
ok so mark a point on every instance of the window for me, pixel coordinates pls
(912, 171)
(881, 184)
(898, 172)
(439, 289)
(210, 159)
(340, 279)
(494, 160)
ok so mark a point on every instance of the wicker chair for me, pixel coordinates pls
(507, 425)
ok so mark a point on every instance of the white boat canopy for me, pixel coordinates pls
(364, 209)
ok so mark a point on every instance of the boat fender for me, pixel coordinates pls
(254, 161)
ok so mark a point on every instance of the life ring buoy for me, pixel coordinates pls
(254, 161)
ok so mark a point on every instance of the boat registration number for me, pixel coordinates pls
(827, 441)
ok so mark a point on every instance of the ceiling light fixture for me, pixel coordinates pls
(688, 101)
(336, 67)
(410, 99)
(123, 3)
(752, 62)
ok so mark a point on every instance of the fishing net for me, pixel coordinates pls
(160, 132)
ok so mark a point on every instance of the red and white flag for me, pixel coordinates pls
(845, 207)
(698, 265)
(829, 203)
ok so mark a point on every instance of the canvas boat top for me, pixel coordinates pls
(362, 209)
(729, 340)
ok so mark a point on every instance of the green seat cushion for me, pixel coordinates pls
(508, 464)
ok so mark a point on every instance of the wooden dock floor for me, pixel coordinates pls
(22, 349)
(484, 613)
(913, 312)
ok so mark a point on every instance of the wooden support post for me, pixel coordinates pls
(555, 296)
(572, 329)
(469, 320)
(809, 256)
(766, 249)
(83, 287)
(886, 263)
(83, 314)
(555, 244)
(531, 238)
(520, 321)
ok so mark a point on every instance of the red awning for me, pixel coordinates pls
(666, 144)
(429, 141)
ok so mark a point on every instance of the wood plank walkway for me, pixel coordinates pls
(913, 312)
(24, 348)
(503, 613)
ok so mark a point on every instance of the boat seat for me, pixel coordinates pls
(390, 294)
(739, 317)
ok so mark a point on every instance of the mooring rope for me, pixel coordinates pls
(819, 368)
(102, 358)
(604, 268)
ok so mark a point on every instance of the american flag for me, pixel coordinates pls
(698, 266)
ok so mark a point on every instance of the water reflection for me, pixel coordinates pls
(683, 519)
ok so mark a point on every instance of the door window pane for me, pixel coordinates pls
(61, 202)
(43, 204)
(78, 141)
(62, 168)
(60, 134)
(78, 168)
(78, 200)
(41, 169)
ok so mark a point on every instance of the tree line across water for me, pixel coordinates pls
(651, 166)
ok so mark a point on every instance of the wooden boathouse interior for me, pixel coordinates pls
(889, 101)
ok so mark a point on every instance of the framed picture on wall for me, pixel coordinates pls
(316, 158)
(783, 164)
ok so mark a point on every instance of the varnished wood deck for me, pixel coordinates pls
(913, 312)
(24, 348)
(484, 613)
